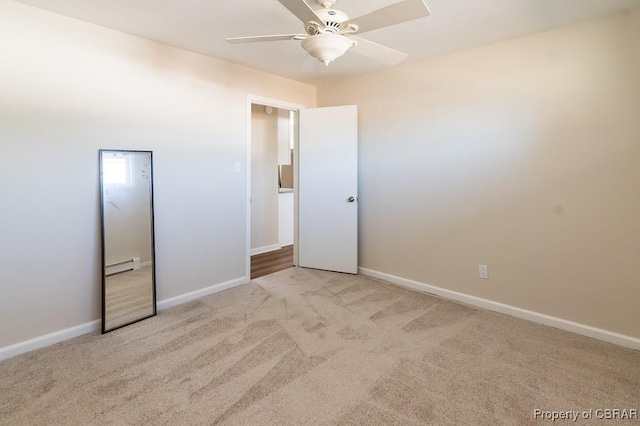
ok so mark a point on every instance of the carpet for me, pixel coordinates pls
(318, 348)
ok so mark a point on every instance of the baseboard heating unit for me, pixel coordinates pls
(127, 265)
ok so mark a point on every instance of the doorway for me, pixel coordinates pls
(271, 191)
(325, 176)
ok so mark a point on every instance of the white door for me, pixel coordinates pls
(328, 189)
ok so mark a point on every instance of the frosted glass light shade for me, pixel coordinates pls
(327, 47)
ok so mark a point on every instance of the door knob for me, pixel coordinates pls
(351, 199)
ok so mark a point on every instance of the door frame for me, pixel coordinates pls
(275, 103)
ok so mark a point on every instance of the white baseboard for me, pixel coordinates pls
(91, 326)
(585, 330)
(49, 339)
(562, 324)
(265, 249)
(188, 297)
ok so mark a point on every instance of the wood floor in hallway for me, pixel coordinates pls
(273, 261)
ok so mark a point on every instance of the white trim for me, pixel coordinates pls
(261, 100)
(562, 324)
(585, 330)
(188, 297)
(91, 326)
(49, 339)
(265, 249)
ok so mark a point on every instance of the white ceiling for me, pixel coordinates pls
(202, 25)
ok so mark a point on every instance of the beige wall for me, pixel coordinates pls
(523, 156)
(69, 88)
(264, 177)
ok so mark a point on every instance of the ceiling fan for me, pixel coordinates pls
(330, 33)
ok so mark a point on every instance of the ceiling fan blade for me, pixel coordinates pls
(397, 13)
(256, 39)
(303, 11)
(376, 51)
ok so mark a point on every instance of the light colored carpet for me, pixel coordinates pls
(306, 347)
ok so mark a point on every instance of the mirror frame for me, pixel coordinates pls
(102, 235)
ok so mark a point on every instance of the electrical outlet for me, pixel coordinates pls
(483, 271)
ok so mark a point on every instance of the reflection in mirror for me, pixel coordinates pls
(128, 264)
(285, 176)
(286, 136)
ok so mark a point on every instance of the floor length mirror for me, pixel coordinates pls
(128, 256)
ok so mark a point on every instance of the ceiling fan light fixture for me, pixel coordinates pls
(327, 47)
(330, 33)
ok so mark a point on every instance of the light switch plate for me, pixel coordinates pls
(483, 271)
